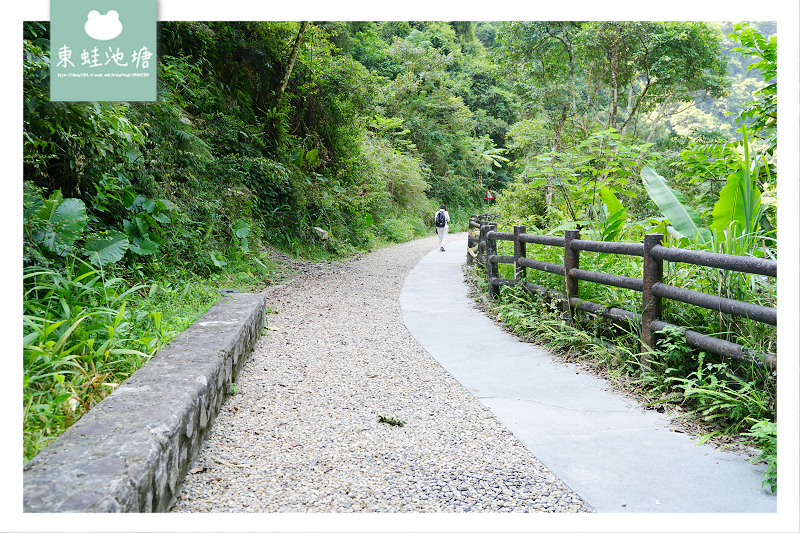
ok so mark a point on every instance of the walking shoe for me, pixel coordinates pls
(442, 248)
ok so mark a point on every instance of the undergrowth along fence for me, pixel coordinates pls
(482, 248)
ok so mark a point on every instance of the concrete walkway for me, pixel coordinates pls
(615, 455)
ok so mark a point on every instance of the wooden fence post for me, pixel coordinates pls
(652, 273)
(481, 255)
(473, 219)
(571, 260)
(492, 272)
(519, 251)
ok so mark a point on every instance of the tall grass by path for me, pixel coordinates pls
(85, 333)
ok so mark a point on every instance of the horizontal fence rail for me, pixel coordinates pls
(482, 248)
(737, 263)
(618, 248)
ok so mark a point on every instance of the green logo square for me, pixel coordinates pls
(103, 50)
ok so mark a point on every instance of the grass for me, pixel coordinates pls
(86, 330)
(82, 335)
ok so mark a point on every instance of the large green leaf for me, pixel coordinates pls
(611, 201)
(312, 156)
(71, 215)
(739, 200)
(615, 221)
(108, 250)
(241, 229)
(142, 225)
(672, 204)
(63, 222)
(131, 229)
(730, 206)
(165, 205)
(217, 259)
(143, 246)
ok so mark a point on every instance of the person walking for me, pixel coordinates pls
(442, 219)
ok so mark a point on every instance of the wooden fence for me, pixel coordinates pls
(482, 247)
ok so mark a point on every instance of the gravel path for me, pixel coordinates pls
(303, 432)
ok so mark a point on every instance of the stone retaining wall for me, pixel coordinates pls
(132, 450)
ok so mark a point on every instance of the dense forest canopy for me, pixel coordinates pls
(368, 125)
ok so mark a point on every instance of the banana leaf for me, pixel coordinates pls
(740, 199)
(615, 221)
(672, 204)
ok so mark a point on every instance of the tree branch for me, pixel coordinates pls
(290, 67)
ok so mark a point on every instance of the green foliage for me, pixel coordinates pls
(487, 33)
(524, 203)
(56, 225)
(765, 433)
(739, 214)
(700, 168)
(576, 176)
(395, 230)
(673, 355)
(740, 224)
(81, 338)
(144, 229)
(719, 396)
(396, 180)
(109, 250)
(392, 421)
(51, 226)
(70, 145)
(449, 101)
(240, 231)
(615, 216)
(577, 74)
(762, 112)
(684, 219)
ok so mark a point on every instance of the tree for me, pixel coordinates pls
(580, 79)
(762, 111)
(290, 66)
(546, 53)
(607, 50)
(439, 122)
(665, 68)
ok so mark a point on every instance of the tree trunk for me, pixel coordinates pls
(612, 58)
(628, 110)
(290, 67)
(632, 111)
(667, 101)
(565, 112)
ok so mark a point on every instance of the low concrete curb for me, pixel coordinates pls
(131, 451)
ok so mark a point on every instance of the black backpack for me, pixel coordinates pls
(440, 220)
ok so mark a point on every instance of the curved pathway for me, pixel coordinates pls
(303, 432)
(617, 456)
(491, 423)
